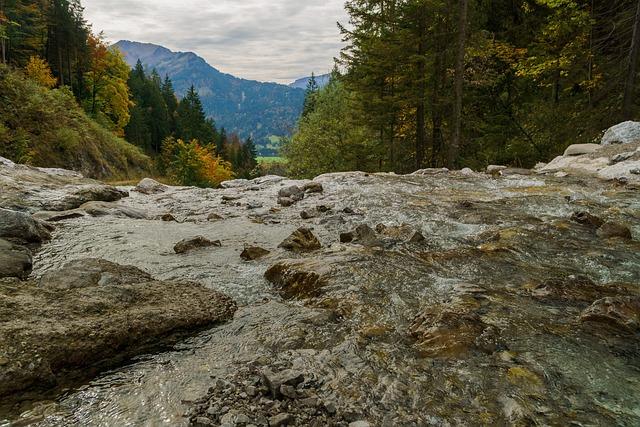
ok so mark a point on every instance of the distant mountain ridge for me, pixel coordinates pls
(247, 107)
(322, 80)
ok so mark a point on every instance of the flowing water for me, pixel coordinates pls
(501, 351)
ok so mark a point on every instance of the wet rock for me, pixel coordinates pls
(85, 194)
(22, 227)
(276, 381)
(579, 149)
(619, 312)
(585, 218)
(577, 289)
(198, 242)
(312, 187)
(282, 419)
(301, 240)
(495, 169)
(251, 253)
(298, 278)
(53, 216)
(55, 332)
(614, 229)
(149, 186)
(91, 272)
(622, 133)
(15, 260)
(448, 330)
(214, 217)
(112, 209)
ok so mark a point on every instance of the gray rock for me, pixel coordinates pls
(467, 172)
(580, 149)
(360, 423)
(280, 420)
(301, 240)
(53, 216)
(622, 157)
(15, 261)
(98, 209)
(495, 169)
(89, 273)
(366, 236)
(293, 192)
(203, 422)
(622, 133)
(417, 238)
(286, 201)
(22, 227)
(312, 187)
(309, 213)
(635, 171)
(613, 229)
(214, 217)
(197, 242)
(149, 186)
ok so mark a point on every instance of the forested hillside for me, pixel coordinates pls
(469, 83)
(249, 108)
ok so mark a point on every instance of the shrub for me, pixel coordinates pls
(194, 164)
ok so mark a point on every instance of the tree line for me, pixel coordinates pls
(431, 83)
(52, 42)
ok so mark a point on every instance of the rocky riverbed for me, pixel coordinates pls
(438, 298)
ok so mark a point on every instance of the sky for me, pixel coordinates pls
(266, 40)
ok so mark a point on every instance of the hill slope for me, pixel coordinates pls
(47, 128)
(247, 107)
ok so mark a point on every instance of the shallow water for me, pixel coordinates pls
(488, 241)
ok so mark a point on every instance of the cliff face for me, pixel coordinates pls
(433, 298)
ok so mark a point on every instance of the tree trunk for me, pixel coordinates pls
(632, 65)
(459, 82)
(420, 109)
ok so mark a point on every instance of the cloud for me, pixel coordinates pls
(267, 40)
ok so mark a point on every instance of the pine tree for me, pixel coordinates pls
(191, 121)
(310, 96)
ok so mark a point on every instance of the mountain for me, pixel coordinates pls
(321, 80)
(249, 108)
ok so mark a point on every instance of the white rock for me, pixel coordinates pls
(6, 162)
(579, 149)
(467, 171)
(580, 164)
(494, 169)
(150, 186)
(623, 133)
(621, 170)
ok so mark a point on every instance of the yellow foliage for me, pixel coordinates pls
(194, 164)
(38, 70)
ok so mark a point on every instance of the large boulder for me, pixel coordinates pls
(580, 149)
(22, 227)
(149, 186)
(622, 133)
(98, 209)
(72, 329)
(15, 260)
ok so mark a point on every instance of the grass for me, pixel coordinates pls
(271, 160)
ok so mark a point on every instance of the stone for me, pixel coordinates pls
(98, 209)
(288, 391)
(495, 169)
(298, 278)
(347, 237)
(467, 172)
(282, 419)
(580, 149)
(293, 192)
(301, 240)
(575, 164)
(585, 218)
(309, 213)
(56, 331)
(622, 157)
(197, 242)
(168, 218)
(622, 133)
(214, 217)
(360, 423)
(620, 170)
(15, 260)
(22, 227)
(286, 201)
(366, 236)
(619, 312)
(417, 238)
(53, 216)
(635, 171)
(312, 187)
(614, 229)
(252, 253)
(516, 171)
(431, 171)
(149, 186)
(203, 422)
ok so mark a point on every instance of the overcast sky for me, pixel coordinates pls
(267, 40)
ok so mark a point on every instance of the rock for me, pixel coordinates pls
(214, 217)
(298, 278)
(54, 332)
(301, 240)
(635, 171)
(467, 172)
(580, 149)
(203, 422)
(282, 419)
(360, 423)
(286, 201)
(198, 242)
(90, 273)
(366, 236)
(53, 216)
(539, 165)
(112, 209)
(622, 133)
(276, 381)
(622, 157)
(85, 194)
(251, 253)
(585, 218)
(312, 187)
(149, 186)
(347, 237)
(619, 312)
(309, 213)
(235, 183)
(417, 238)
(620, 170)
(431, 171)
(15, 260)
(575, 164)
(516, 171)
(254, 205)
(613, 229)
(293, 192)
(22, 227)
(575, 289)
(168, 218)
(231, 197)
(288, 391)
(495, 169)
